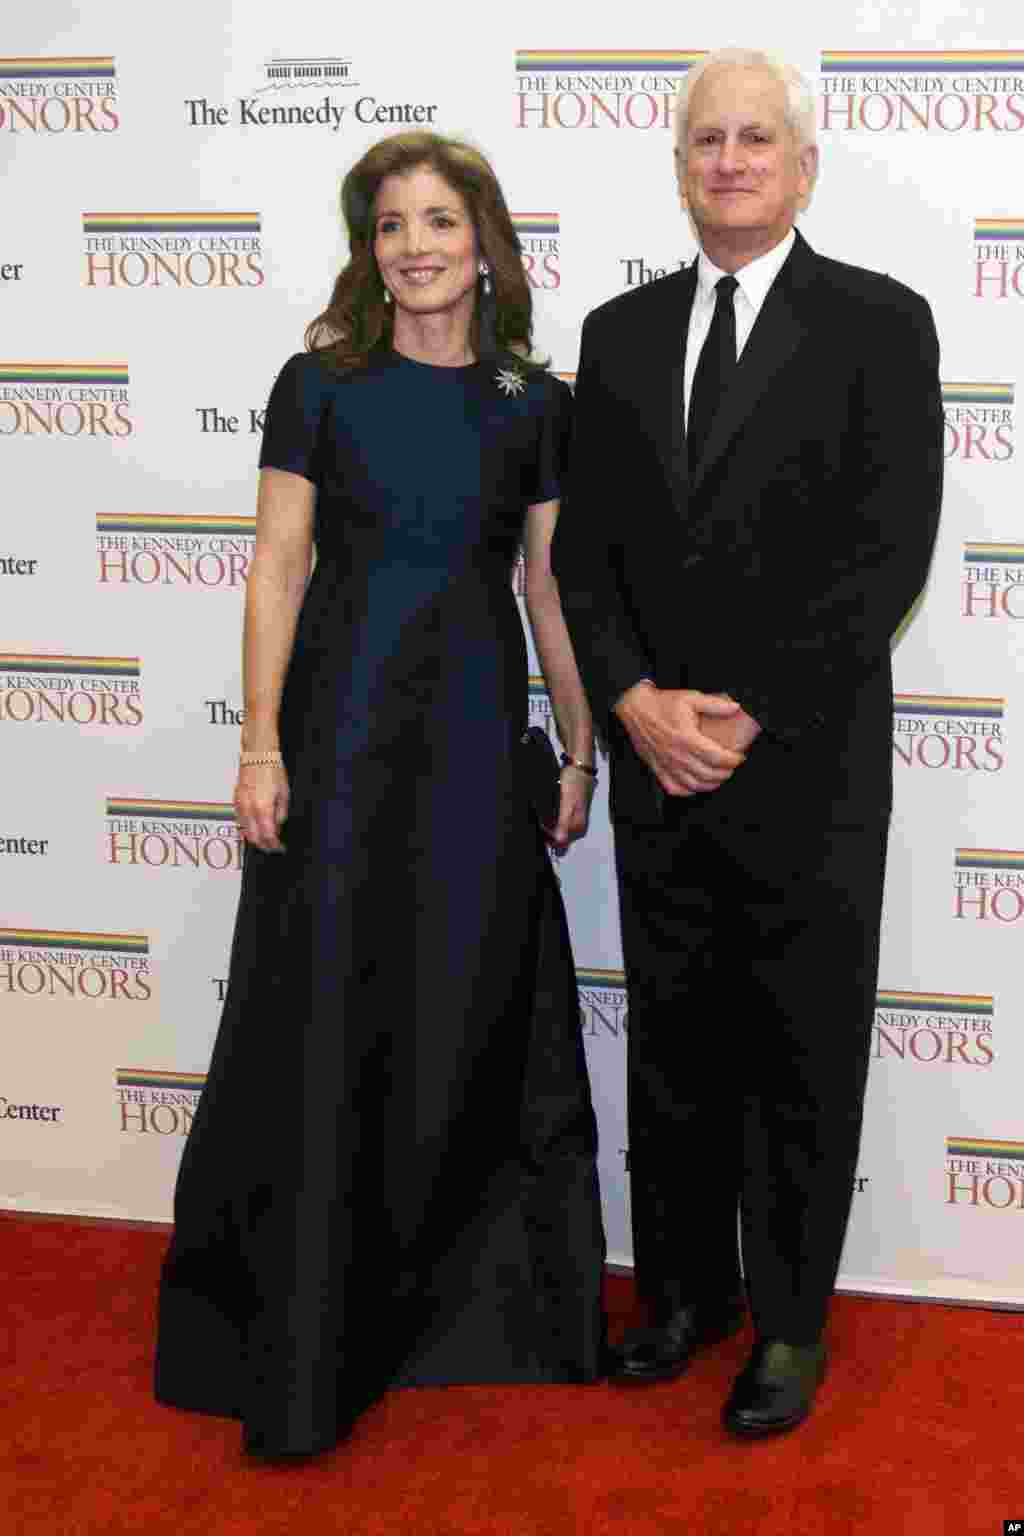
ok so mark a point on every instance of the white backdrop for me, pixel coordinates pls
(170, 226)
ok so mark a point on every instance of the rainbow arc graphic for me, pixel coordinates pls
(989, 858)
(988, 231)
(954, 706)
(58, 665)
(64, 373)
(159, 523)
(983, 1146)
(545, 224)
(980, 1006)
(148, 1077)
(67, 67)
(673, 61)
(977, 394)
(170, 223)
(171, 810)
(590, 976)
(54, 938)
(979, 553)
(982, 61)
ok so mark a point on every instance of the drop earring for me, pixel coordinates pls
(387, 295)
(485, 274)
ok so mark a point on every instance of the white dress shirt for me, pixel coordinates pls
(755, 279)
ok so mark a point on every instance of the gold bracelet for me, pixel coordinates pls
(257, 759)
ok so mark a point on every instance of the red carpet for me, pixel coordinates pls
(917, 1430)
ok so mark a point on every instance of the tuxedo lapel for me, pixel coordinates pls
(666, 360)
(777, 334)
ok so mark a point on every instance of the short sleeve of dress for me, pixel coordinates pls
(291, 424)
(552, 444)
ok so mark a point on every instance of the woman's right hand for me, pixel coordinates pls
(261, 804)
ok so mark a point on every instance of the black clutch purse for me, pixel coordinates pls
(540, 774)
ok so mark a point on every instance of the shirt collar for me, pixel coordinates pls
(754, 279)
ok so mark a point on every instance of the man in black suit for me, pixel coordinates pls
(754, 495)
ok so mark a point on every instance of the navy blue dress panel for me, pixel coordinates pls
(422, 1206)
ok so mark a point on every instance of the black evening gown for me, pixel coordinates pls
(391, 1176)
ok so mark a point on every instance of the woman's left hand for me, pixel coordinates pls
(574, 814)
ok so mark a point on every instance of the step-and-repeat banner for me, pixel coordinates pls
(170, 226)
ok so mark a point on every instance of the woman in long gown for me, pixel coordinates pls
(391, 1175)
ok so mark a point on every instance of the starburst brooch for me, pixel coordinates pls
(511, 382)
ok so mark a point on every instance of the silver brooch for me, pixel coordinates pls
(511, 382)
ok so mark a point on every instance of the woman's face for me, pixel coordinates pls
(425, 243)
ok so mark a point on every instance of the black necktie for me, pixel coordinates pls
(715, 368)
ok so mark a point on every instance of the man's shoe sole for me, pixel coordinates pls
(763, 1431)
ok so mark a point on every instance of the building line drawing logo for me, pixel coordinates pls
(303, 74)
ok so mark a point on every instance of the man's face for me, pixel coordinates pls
(744, 178)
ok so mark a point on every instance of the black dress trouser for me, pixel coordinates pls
(751, 952)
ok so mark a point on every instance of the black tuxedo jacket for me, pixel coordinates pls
(781, 570)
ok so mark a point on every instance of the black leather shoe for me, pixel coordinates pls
(664, 1351)
(775, 1390)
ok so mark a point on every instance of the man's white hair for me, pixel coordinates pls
(801, 114)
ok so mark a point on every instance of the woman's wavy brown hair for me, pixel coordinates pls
(357, 319)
